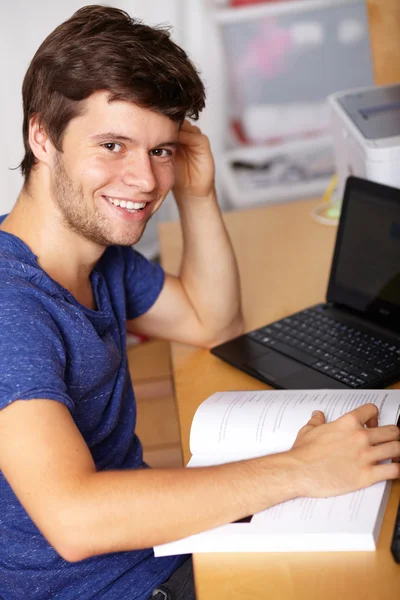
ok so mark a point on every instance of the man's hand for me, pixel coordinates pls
(194, 164)
(345, 455)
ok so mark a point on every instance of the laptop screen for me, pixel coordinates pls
(365, 273)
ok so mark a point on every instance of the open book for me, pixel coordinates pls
(231, 426)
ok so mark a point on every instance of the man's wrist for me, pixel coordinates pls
(288, 473)
(183, 196)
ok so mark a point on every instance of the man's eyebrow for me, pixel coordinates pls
(114, 136)
(110, 135)
(174, 144)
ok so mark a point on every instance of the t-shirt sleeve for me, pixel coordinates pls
(32, 354)
(143, 283)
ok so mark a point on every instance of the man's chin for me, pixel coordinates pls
(128, 239)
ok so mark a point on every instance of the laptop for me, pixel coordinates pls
(352, 340)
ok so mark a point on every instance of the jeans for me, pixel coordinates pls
(180, 586)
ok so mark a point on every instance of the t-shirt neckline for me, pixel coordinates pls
(95, 276)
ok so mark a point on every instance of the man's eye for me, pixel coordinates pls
(112, 146)
(161, 152)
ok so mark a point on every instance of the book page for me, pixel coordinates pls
(348, 522)
(246, 424)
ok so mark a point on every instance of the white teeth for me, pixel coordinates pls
(136, 205)
(127, 204)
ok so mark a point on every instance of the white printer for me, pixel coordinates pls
(366, 130)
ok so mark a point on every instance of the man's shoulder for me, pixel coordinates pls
(17, 273)
(22, 281)
(16, 259)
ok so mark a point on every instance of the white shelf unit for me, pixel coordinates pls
(321, 46)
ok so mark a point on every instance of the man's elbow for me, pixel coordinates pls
(72, 548)
(233, 330)
(71, 553)
(70, 534)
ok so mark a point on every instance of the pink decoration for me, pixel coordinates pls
(266, 53)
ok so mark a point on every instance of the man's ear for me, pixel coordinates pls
(39, 141)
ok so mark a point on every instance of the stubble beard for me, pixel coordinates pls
(75, 214)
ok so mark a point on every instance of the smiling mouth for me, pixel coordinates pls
(127, 205)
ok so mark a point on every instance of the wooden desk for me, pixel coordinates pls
(284, 260)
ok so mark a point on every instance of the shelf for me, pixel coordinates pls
(233, 14)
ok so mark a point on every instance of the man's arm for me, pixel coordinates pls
(84, 513)
(201, 306)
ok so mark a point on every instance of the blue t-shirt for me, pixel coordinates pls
(53, 347)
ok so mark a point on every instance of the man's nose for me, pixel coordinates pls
(138, 172)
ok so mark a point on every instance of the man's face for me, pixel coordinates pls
(116, 167)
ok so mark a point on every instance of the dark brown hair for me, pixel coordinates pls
(103, 48)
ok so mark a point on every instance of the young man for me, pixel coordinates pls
(105, 101)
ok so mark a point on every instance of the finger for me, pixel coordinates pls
(373, 422)
(363, 413)
(317, 418)
(194, 140)
(188, 126)
(190, 137)
(385, 471)
(386, 433)
(385, 451)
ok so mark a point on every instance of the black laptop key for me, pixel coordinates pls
(390, 367)
(358, 362)
(379, 372)
(258, 335)
(301, 345)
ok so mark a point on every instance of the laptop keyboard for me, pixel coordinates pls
(340, 351)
